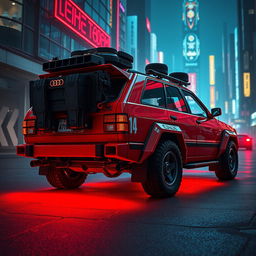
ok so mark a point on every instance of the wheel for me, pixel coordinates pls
(65, 178)
(249, 148)
(164, 173)
(227, 168)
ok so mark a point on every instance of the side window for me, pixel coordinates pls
(153, 94)
(174, 100)
(194, 106)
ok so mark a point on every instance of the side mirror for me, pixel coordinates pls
(216, 111)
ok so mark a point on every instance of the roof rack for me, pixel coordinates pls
(161, 75)
(169, 78)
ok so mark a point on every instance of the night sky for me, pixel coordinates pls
(166, 22)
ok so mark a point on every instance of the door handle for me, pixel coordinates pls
(173, 117)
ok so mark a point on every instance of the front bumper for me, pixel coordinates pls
(122, 151)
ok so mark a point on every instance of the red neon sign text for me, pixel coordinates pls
(80, 23)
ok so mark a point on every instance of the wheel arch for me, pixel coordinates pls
(160, 132)
(227, 136)
(178, 140)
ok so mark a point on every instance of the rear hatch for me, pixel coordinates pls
(70, 106)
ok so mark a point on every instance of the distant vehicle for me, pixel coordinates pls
(245, 141)
(91, 113)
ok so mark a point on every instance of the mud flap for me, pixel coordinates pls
(139, 172)
(43, 170)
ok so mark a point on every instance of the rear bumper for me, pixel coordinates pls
(122, 151)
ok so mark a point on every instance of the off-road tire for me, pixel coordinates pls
(106, 50)
(228, 166)
(64, 178)
(125, 56)
(164, 172)
(159, 67)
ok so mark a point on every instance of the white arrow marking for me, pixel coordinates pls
(3, 113)
(10, 126)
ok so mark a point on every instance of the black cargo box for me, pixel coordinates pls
(76, 95)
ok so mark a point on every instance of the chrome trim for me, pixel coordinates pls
(230, 132)
(130, 88)
(169, 127)
(144, 105)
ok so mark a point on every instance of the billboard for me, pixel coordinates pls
(73, 17)
(191, 42)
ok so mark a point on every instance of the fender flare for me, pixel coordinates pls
(225, 138)
(154, 136)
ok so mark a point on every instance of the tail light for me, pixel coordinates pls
(116, 123)
(29, 127)
(248, 140)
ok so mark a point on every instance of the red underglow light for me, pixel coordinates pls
(72, 16)
(194, 185)
(119, 195)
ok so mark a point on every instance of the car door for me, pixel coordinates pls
(178, 114)
(209, 130)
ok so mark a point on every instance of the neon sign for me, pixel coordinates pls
(192, 80)
(212, 69)
(190, 14)
(148, 26)
(191, 48)
(247, 84)
(71, 15)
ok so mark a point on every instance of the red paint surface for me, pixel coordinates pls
(72, 16)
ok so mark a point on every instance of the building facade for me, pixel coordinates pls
(33, 31)
(141, 9)
(247, 64)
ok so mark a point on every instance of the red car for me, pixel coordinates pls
(245, 141)
(91, 113)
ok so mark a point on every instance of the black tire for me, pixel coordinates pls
(228, 166)
(82, 52)
(164, 173)
(106, 50)
(125, 56)
(180, 75)
(159, 67)
(65, 178)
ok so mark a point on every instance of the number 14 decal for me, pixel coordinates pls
(133, 125)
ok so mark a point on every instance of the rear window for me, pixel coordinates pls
(113, 91)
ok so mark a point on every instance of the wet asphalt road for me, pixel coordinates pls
(115, 217)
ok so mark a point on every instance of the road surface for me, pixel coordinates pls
(115, 217)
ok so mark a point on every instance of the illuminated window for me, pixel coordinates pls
(11, 10)
(11, 23)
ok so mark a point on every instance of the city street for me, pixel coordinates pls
(115, 217)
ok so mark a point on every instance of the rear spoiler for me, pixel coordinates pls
(111, 69)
